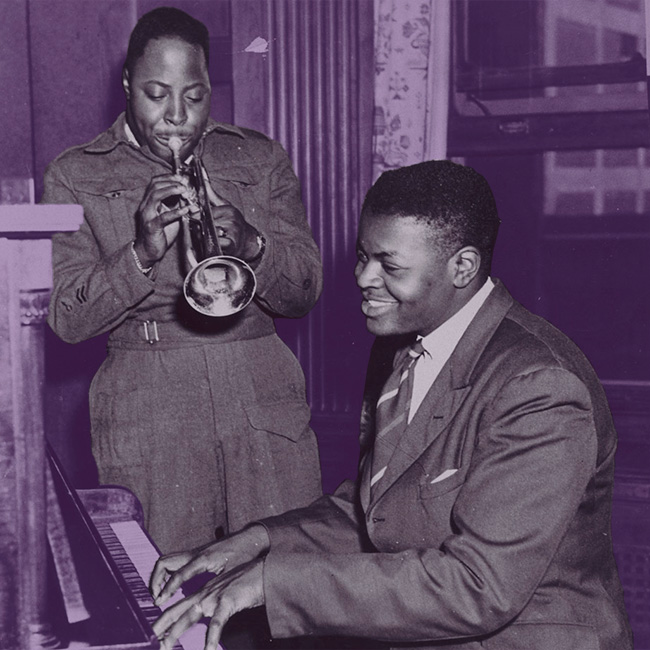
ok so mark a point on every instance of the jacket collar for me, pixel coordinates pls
(478, 334)
(471, 344)
(115, 135)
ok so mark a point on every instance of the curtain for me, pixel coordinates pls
(412, 53)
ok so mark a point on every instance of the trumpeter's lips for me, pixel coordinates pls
(164, 139)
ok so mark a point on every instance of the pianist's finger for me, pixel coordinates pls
(215, 628)
(231, 552)
(178, 619)
(220, 598)
(201, 562)
(164, 567)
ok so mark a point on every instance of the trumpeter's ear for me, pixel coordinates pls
(126, 84)
(465, 265)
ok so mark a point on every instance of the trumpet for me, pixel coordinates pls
(215, 284)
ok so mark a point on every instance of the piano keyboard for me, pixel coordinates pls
(135, 557)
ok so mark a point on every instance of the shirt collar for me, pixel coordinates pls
(444, 338)
(129, 135)
(117, 134)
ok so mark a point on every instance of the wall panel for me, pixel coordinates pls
(315, 84)
(16, 165)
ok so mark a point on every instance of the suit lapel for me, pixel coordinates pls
(364, 487)
(431, 419)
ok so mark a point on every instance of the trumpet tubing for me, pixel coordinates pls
(215, 284)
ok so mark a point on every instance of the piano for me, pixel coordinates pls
(74, 565)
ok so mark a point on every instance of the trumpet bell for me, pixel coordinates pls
(220, 286)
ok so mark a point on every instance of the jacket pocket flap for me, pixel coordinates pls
(288, 419)
(108, 187)
(236, 174)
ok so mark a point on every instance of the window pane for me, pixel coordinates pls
(597, 182)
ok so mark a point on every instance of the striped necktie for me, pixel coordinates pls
(392, 411)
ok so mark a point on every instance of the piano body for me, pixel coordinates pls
(74, 565)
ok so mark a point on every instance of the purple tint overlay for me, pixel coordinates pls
(589, 288)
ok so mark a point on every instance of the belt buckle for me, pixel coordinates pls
(151, 331)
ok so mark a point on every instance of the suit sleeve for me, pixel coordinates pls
(534, 457)
(92, 293)
(289, 275)
(331, 524)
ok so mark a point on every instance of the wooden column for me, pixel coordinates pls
(25, 283)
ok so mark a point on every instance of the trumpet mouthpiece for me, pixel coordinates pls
(175, 144)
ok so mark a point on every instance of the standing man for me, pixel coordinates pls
(481, 514)
(204, 419)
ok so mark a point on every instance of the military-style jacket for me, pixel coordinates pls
(97, 286)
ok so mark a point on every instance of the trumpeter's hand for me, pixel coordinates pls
(158, 215)
(236, 236)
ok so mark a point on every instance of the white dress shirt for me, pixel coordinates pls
(439, 344)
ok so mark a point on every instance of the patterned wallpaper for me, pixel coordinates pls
(402, 39)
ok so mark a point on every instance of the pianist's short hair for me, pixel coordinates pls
(454, 200)
(166, 22)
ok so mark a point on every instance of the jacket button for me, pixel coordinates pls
(306, 283)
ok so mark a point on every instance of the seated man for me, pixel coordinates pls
(481, 514)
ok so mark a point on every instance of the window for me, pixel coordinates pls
(548, 74)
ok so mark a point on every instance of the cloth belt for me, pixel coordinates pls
(172, 334)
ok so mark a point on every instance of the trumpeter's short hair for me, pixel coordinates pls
(166, 22)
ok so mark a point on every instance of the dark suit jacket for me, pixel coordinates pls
(512, 550)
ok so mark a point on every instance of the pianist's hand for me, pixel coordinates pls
(233, 591)
(171, 571)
